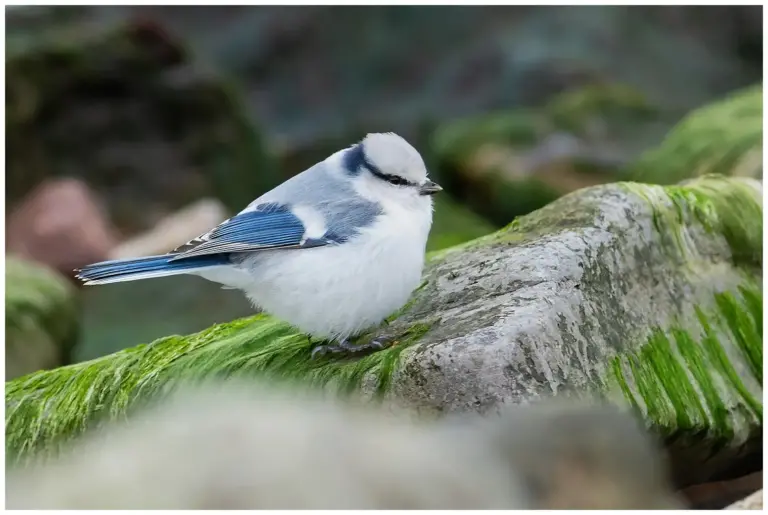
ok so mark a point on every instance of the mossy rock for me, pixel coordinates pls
(725, 137)
(510, 163)
(646, 295)
(130, 111)
(41, 318)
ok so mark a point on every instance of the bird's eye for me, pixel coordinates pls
(396, 180)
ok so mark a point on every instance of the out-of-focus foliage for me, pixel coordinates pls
(725, 138)
(313, 71)
(41, 318)
(509, 163)
(126, 109)
(454, 223)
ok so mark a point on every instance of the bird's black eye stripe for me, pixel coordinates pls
(397, 181)
(392, 179)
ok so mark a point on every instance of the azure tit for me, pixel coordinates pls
(333, 251)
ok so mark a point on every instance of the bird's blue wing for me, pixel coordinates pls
(267, 226)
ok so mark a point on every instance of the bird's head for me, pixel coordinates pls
(387, 169)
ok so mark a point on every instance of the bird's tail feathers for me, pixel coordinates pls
(121, 270)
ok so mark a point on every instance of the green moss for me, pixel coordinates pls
(723, 138)
(719, 359)
(745, 331)
(674, 381)
(672, 389)
(573, 110)
(37, 291)
(483, 160)
(727, 206)
(730, 207)
(617, 373)
(657, 405)
(45, 408)
(41, 317)
(696, 362)
(456, 140)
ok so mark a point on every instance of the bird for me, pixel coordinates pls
(332, 251)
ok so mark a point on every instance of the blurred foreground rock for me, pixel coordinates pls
(62, 225)
(752, 502)
(41, 318)
(251, 447)
(717, 495)
(646, 295)
(126, 108)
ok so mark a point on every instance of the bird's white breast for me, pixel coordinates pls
(341, 290)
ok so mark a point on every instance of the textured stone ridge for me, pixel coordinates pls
(648, 295)
(41, 318)
(565, 300)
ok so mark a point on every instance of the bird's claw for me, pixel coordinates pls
(345, 348)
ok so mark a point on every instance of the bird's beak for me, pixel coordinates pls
(429, 188)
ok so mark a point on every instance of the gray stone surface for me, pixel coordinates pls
(555, 304)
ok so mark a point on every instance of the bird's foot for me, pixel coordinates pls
(344, 348)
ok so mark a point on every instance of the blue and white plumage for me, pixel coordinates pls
(333, 250)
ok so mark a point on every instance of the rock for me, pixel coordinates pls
(716, 495)
(41, 318)
(127, 109)
(509, 163)
(725, 138)
(648, 296)
(62, 225)
(170, 232)
(249, 447)
(752, 502)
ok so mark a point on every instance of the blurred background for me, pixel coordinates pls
(133, 129)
